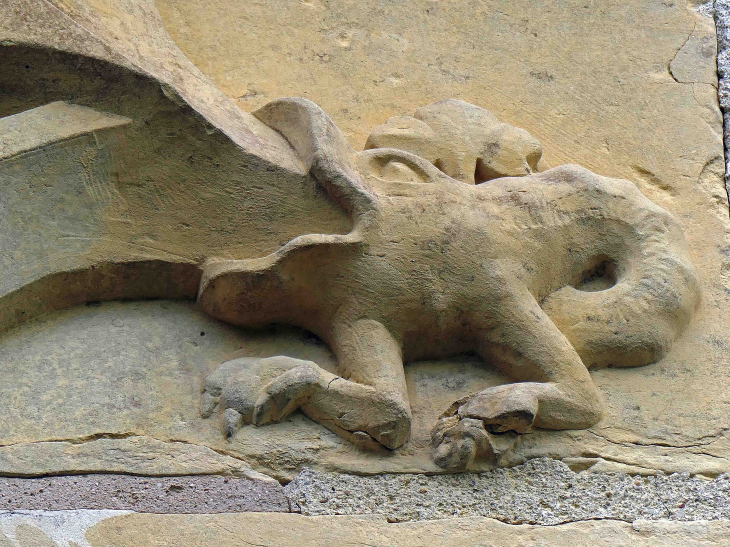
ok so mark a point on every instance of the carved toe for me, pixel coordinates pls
(232, 422)
(208, 404)
(286, 393)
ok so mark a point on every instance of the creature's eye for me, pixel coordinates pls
(396, 170)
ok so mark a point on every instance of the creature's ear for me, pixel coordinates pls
(391, 165)
(507, 151)
(323, 149)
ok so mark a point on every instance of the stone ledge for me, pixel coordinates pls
(99, 528)
(541, 491)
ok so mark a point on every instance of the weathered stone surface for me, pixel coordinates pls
(156, 361)
(54, 122)
(104, 528)
(156, 356)
(133, 198)
(602, 113)
(541, 491)
(275, 530)
(89, 528)
(130, 34)
(128, 454)
(578, 76)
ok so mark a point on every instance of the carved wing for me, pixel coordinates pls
(323, 149)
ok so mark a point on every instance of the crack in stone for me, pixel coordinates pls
(669, 65)
(79, 440)
(629, 444)
(120, 436)
(650, 470)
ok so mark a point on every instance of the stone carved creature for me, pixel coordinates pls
(544, 274)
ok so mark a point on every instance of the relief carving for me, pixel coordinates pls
(459, 244)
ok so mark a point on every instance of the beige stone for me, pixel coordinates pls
(580, 79)
(276, 529)
(601, 88)
(131, 34)
(54, 122)
(30, 536)
(140, 454)
(85, 221)
(435, 266)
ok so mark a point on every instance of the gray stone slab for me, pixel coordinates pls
(187, 494)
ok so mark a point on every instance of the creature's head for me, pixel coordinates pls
(461, 140)
(446, 141)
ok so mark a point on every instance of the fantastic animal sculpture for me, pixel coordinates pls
(457, 244)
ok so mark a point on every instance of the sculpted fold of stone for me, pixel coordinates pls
(543, 274)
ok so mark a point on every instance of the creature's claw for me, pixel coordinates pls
(232, 422)
(510, 407)
(258, 391)
(464, 431)
(208, 404)
(286, 393)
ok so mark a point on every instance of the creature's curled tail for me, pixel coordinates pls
(627, 306)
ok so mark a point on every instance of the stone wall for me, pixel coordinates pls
(132, 158)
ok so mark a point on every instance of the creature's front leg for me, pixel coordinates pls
(366, 403)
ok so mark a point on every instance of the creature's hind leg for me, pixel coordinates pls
(555, 390)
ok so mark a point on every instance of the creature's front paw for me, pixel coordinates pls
(464, 431)
(456, 443)
(259, 391)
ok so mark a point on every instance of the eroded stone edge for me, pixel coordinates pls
(720, 9)
(131, 454)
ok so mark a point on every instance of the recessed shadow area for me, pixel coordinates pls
(600, 273)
